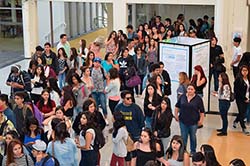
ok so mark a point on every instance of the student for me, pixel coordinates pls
(21, 111)
(42, 159)
(237, 55)
(4, 107)
(176, 153)
(198, 159)
(209, 153)
(120, 136)
(15, 155)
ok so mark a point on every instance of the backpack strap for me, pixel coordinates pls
(3, 126)
(46, 159)
(103, 74)
(27, 162)
(25, 107)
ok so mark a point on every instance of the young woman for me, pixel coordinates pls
(152, 52)
(199, 80)
(162, 31)
(55, 92)
(157, 81)
(223, 94)
(95, 47)
(141, 33)
(62, 147)
(62, 64)
(38, 83)
(242, 96)
(32, 131)
(74, 63)
(112, 43)
(155, 34)
(146, 43)
(32, 68)
(147, 29)
(60, 115)
(141, 65)
(82, 51)
(86, 139)
(120, 136)
(176, 153)
(147, 149)
(87, 79)
(210, 157)
(168, 35)
(15, 155)
(68, 101)
(45, 104)
(79, 90)
(109, 62)
(161, 122)
(182, 31)
(183, 82)
(151, 102)
(89, 62)
(113, 88)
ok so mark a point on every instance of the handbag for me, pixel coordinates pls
(133, 81)
(232, 96)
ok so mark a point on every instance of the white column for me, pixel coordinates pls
(120, 15)
(218, 15)
(134, 16)
(30, 29)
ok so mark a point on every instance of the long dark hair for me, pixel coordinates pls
(209, 154)
(70, 82)
(63, 53)
(88, 59)
(61, 132)
(41, 101)
(225, 81)
(74, 56)
(90, 122)
(32, 121)
(83, 46)
(87, 103)
(240, 74)
(68, 95)
(54, 86)
(10, 154)
(155, 96)
(42, 76)
(115, 39)
(152, 142)
(182, 149)
(119, 122)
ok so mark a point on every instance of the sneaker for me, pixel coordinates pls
(246, 132)
(222, 134)
(235, 125)
(219, 130)
(107, 122)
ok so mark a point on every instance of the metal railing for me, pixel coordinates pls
(56, 31)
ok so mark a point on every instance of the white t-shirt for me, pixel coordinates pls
(237, 52)
(82, 140)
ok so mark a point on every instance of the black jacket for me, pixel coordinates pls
(240, 88)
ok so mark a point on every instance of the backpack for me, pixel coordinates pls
(103, 74)
(48, 157)
(99, 141)
(25, 78)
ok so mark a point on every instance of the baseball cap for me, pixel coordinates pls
(97, 59)
(39, 145)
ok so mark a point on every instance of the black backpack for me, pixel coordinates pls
(48, 157)
(25, 78)
(99, 141)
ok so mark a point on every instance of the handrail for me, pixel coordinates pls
(48, 36)
(104, 21)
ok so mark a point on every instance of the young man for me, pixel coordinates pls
(5, 108)
(131, 33)
(38, 53)
(42, 159)
(237, 55)
(64, 44)
(50, 58)
(18, 80)
(165, 79)
(154, 69)
(21, 111)
(98, 75)
(133, 116)
(198, 159)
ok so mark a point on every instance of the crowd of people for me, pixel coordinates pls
(57, 109)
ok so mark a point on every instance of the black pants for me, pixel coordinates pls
(112, 105)
(235, 71)
(242, 107)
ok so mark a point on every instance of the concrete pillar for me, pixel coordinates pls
(80, 18)
(134, 20)
(30, 27)
(120, 15)
(110, 18)
(13, 11)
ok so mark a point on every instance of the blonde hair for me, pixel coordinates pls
(183, 78)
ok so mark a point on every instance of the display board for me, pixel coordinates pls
(181, 54)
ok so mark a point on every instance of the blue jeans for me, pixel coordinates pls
(61, 80)
(224, 107)
(216, 81)
(148, 122)
(100, 99)
(191, 131)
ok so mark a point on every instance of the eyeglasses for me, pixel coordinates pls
(128, 98)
